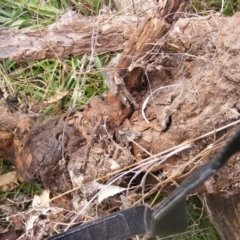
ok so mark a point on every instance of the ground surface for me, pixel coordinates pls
(199, 66)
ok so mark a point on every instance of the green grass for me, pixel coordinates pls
(35, 82)
(24, 189)
(29, 14)
(200, 227)
(33, 14)
(203, 7)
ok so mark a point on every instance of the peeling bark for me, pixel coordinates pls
(71, 35)
(62, 153)
(153, 29)
(56, 150)
(224, 212)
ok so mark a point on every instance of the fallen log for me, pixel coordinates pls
(71, 35)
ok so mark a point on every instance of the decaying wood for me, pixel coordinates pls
(52, 150)
(67, 148)
(224, 214)
(71, 35)
(74, 34)
(128, 77)
(11, 124)
(206, 98)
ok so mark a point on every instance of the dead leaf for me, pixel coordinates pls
(8, 181)
(51, 100)
(106, 191)
(41, 201)
(109, 192)
(9, 235)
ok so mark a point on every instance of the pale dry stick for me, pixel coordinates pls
(175, 174)
(150, 89)
(152, 156)
(199, 156)
(222, 6)
(151, 94)
(76, 89)
(6, 78)
(152, 191)
(94, 38)
(190, 141)
(147, 159)
(94, 43)
(119, 147)
(97, 123)
(164, 158)
(141, 147)
(193, 56)
(20, 202)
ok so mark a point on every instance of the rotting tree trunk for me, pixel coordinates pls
(224, 212)
(201, 56)
(78, 136)
(142, 41)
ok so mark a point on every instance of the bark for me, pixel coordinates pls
(71, 35)
(62, 152)
(224, 214)
(146, 36)
(66, 151)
